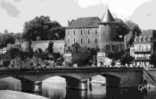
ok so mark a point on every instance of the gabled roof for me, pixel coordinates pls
(85, 22)
(107, 18)
(147, 33)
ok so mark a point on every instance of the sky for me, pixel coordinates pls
(14, 13)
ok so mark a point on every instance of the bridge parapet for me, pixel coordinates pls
(69, 70)
(127, 76)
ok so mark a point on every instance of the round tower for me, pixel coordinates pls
(106, 31)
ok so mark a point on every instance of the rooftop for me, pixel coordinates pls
(107, 18)
(85, 22)
(148, 32)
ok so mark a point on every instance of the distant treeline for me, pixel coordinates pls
(42, 28)
(39, 28)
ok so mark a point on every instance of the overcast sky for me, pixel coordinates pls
(13, 13)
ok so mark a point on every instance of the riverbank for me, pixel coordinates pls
(8, 94)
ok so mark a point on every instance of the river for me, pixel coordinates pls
(56, 89)
(59, 91)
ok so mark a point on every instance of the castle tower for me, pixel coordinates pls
(106, 31)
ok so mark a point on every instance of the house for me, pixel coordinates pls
(93, 32)
(58, 45)
(144, 47)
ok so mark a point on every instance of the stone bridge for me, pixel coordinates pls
(78, 77)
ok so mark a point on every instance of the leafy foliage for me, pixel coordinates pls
(80, 55)
(134, 30)
(6, 39)
(50, 47)
(121, 29)
(126, 58)
(42, 28)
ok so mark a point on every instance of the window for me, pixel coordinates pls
(88, 41)
(81, 41)
(88, 32)
(74, 32)
(68, 40)
(96, 40)
(96, 32)
(145, 39)
(74, 40)
(140, 39)
(81, 32)
(149, 39)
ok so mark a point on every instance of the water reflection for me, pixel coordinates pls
(98, 92)
(54, 90)
(126, 93)
(57, 90)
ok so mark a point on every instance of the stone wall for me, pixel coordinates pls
(85, 37)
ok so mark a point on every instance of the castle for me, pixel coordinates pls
(93, 32)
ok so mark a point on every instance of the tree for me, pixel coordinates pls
(81, 55)
(40, 27)
(121, 29)
(56, 33)
(75, 47)
(6, 39)
(50, 47)
(134, 30)
(126, 58)
(18, 36)
(14, 52)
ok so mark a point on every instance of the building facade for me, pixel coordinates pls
(83, 31)
(92, 32)
(144, 47)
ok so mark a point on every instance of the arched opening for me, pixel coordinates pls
(97, 86)
(56, 86)
(112, 81)
(10, 83)
(102, 85)
(98, 80)
(107, 80)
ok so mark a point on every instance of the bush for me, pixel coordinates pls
(81, 57)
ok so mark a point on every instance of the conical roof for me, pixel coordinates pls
(107, 18)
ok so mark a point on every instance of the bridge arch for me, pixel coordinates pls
(71, 81)
(10, 83)
(111, 80)
(66, 76)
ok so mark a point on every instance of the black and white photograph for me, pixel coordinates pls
(77, 49)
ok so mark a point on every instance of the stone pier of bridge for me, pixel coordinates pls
(31, 86)
(36, 86)
(77, 78)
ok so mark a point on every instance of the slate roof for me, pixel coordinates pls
(85, 22)
(146, 36)
(107, 18)
(147, 33)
